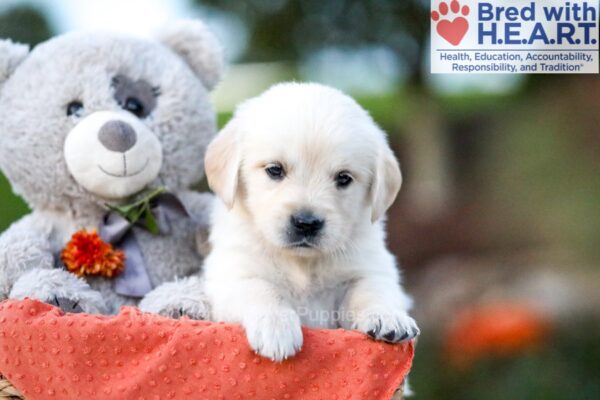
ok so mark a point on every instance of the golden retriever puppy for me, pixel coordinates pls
(304, 177)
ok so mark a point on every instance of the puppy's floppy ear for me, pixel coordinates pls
(222, 163)
(11, 55)
(386, 181)
(198, 46)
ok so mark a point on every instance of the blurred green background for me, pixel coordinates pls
(498, 223)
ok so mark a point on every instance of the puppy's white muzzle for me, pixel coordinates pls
(112, 154)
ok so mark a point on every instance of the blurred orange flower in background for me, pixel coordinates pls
(501, 329)
(87, 254)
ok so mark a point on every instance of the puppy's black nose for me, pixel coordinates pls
(117, 136)
(306, 223)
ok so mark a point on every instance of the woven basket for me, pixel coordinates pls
(8, 391)
(131, 320)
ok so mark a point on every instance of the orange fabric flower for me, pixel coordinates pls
(494, 329)
(87, 254)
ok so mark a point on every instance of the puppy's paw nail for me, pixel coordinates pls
(411, 329)
(390, 336)
(372, 333)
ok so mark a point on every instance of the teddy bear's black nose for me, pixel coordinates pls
(117, 136)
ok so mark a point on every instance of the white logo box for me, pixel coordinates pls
(514, 36)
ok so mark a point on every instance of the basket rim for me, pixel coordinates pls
(8, 391)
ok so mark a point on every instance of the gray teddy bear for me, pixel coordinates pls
(89, 124)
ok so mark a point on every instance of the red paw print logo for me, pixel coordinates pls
(453, 30)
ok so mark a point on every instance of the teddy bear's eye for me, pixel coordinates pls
(134, 106)
(75, 108)
(138, 97)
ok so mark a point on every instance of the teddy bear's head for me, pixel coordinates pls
(96, 117)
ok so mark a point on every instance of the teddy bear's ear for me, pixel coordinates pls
(198, 46)
(11, 55)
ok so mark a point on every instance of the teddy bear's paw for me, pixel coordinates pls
(21, 252)
(60, 288)
(276, 335)
(177, 299)
(67, 305)
(176, 307)
(191, 310)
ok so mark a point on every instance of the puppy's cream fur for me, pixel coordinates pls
(346, 277)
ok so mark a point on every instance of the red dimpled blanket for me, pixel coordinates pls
(50, 355)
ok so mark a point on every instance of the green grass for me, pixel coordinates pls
(566, 368)
(11, 206)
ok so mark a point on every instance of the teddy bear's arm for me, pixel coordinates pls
(27, 269)
(199, 206)
(23, 247)
(186, 296)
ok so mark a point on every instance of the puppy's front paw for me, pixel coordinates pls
(387, 325)
(276, 335)
(185, 297)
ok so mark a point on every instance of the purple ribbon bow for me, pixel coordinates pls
(115, 229)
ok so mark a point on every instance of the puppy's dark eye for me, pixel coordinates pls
(275, 171)
(343, 179)
(75, 108)
(134, 106)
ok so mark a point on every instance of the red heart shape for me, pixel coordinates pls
(453, 31)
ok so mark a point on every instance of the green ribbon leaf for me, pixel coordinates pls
(140, 209)
(151, 223)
